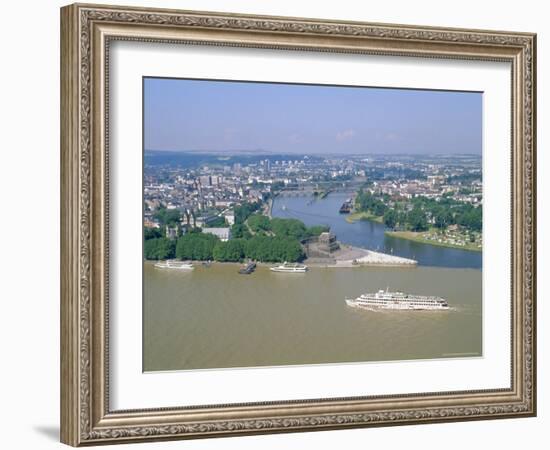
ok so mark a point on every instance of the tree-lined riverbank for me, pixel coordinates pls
(364, 215)
(433, 236)
(255, 236)
(370, 234)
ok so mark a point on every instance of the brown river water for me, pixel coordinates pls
(215, 318)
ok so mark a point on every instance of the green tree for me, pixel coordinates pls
(273, 249)
(379, 208)
(291, 228)
(232, 250)
(390, 218)
(240, 230)
(159, 248)
(442, 218)
(259, 223)
(471, 218)
(365, 201)
(168, 217)
(293, 251)
(196, 246)
(152, 233)
(243, 211)
(316, 230)
(417, 220)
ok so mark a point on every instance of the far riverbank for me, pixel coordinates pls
(420, 237)
(363, 215)
(369, 234)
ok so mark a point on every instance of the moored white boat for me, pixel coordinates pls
(289, 268)
(173, 264)
(397, 300)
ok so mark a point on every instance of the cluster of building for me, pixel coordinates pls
(459, 177)
(203, 196)
(434, 187)
(206, 194)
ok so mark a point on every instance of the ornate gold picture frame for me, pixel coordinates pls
(87, 32)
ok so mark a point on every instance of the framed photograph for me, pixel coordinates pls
(276, 224)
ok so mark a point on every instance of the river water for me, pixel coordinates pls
(368, 234)
(215, 318)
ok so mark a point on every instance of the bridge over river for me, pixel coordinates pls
(321, 188)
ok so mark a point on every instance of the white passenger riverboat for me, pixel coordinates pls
(173, 264)
(289, 268)
(397, 300)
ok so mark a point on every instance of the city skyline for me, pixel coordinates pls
(228, 116)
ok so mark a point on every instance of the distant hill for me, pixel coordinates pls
(196, 159)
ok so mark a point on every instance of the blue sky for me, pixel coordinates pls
(227, 116)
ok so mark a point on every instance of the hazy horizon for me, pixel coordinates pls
(204, 116)
(244, 152)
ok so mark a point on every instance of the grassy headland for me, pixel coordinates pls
(432, 237)
(364, 215)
